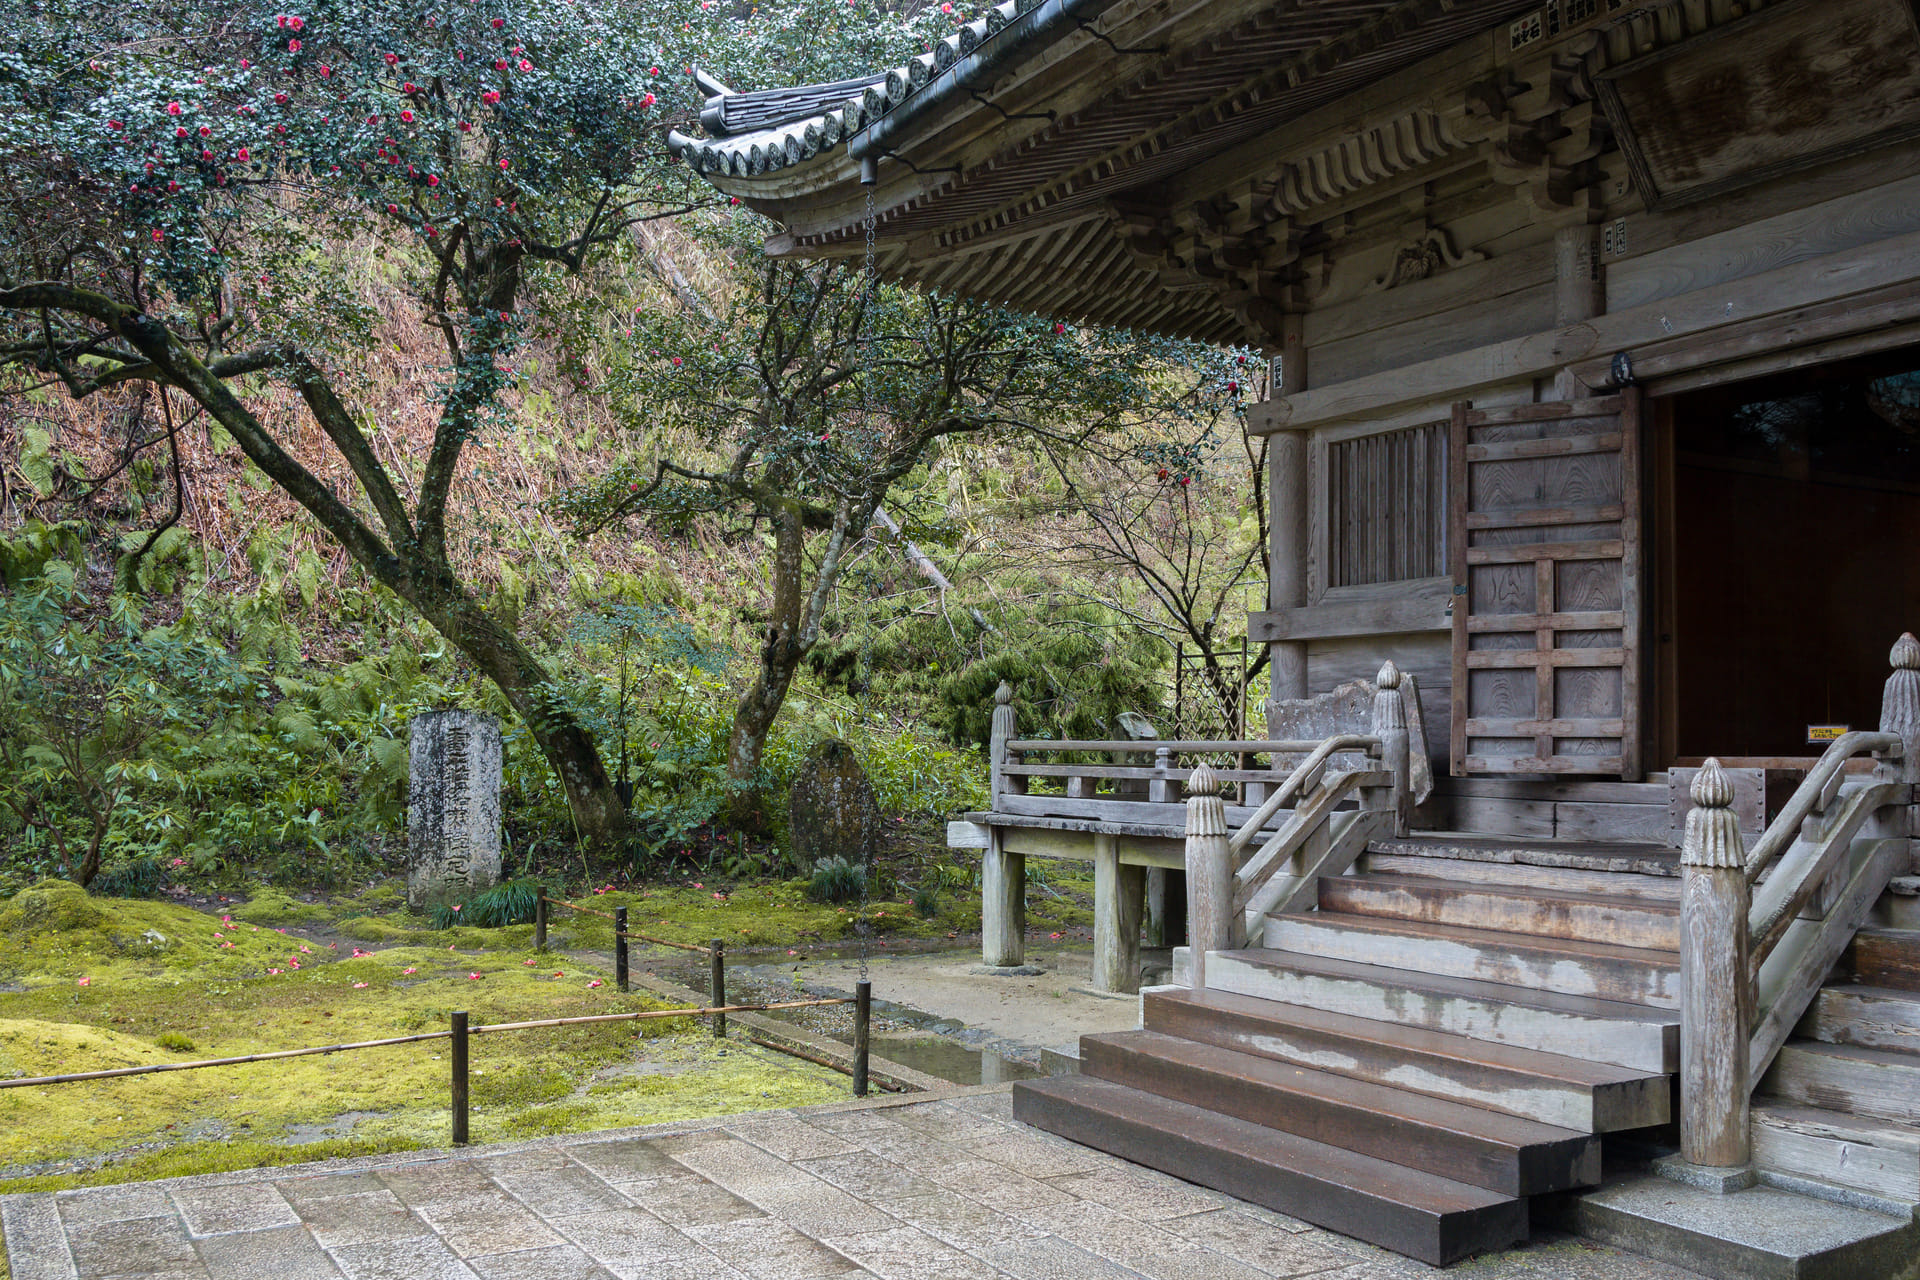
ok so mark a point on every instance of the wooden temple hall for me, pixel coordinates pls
(1572, 885)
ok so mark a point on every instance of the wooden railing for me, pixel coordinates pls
(1230, 892)
(1760, 932)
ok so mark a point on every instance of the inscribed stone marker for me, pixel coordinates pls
(453, 807)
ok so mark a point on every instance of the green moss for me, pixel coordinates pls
(270, 906)
(389, 895)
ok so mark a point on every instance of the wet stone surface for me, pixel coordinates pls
(948, 1188)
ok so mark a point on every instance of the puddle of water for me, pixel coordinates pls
(950, 1060)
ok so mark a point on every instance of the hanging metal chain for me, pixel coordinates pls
(866, 416)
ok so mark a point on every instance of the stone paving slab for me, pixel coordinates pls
(901, 1188)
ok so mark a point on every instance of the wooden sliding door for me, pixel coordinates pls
(1545, 551)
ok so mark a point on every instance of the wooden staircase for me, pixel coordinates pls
(1408, 1061)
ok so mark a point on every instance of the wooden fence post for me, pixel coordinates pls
(1716, 995)
(1003, 875)
(718, 983)
(620, 947)
(862, 1035)
(459, 1065)
(540, 922)
(1390, 726)
(1160, 786)
(1209, 874)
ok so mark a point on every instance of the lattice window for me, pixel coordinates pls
(1386, 506)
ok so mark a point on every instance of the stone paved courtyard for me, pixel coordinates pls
(930, 1189)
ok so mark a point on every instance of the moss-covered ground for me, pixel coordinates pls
(90, 983)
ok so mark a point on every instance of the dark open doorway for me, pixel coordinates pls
(1795, 544)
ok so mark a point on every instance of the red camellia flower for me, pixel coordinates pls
(115, 125)
(392, 58)
(173, 108)
(1233, 388)
(173, 186)
(499, 64)
(1185, 481)
(432, 232)
(325, 70)
(653, 71)
(393, 208)
(433, 179)
(296, 23)
(206, 131)
(406, 117)
(244, 64)
(647, 101)
(466, 126)
(180, 132)
(1059, 326)
(676, 361)
(158, 235)
(525, 65)
(293, 46)
(498, 23)
(1161, 474)
(241, 155)
(503, 166)
(280, 98)
(490, 96)
(205, 154)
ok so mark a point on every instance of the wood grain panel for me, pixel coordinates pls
(1544, 542)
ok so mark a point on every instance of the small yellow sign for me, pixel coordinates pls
(1819, 733)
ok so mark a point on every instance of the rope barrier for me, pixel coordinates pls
(478, 1029)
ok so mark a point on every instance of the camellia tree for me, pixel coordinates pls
(171, 172)
(807, 396)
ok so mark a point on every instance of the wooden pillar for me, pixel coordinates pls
(1119, 891)
(1166, 907)
(1390, 726)
(1579, 290)
(1716, 996)
(1209, 874)
(1287, 519)
(1003, 904)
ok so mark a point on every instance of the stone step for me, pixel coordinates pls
(1871, 1017)
(1608, 856)
(1483, 1148)
(1886, 958)
(1539, 913)
(1421, 1215)
(1875, 1156)
(1629, 975)
(1521, 875)
(1628, 1035)
(1571, 1093)
(1762, 1233)
(1848, 1079)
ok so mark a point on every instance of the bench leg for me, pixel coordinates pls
(1003, 905)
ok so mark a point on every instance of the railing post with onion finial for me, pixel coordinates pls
(1209, 874)
(1716, 994)
(1390, 726)
(1002, 734)
(1900, 706)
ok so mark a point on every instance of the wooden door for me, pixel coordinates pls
(1545, 547)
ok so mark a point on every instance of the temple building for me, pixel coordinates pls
(1583, 816)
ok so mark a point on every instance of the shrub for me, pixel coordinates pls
(837, 880)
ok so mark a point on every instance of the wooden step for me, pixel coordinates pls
(1433, 1219)
(1539, 913)
(1637, 1036)
(1886, 958)
(1571, 1093)
(1848, 1079)
(1522, 875)
(1871, 1017)
(1484, 1148)
(1875, 1156)
(1628, 975)
(1637, 859)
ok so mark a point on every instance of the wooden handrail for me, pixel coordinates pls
(1182, 746)
(1750, 964)
(1222, 899)
(1306, 772)
(1812, 794)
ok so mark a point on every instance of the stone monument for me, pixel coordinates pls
(831, 809)
(453, 807)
